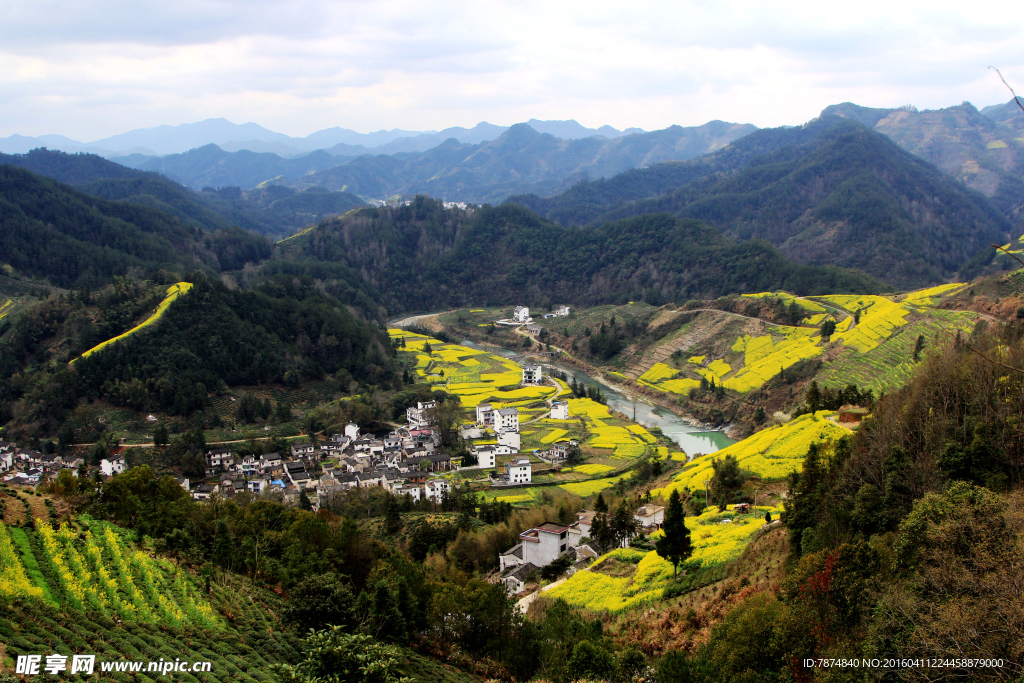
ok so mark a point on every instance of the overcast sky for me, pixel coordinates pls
(100, 67)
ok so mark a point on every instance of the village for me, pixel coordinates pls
(408, 463)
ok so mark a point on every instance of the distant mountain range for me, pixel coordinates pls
(521, 159)
(233, 137)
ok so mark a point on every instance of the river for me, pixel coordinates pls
(692, 440)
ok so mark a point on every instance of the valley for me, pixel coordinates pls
(694, 404)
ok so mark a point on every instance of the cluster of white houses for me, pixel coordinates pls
(27, 467)
(405, 462)
(542, 545)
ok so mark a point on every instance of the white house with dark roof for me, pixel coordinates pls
(115, 465)
(417, 416)
(650, 516)
(219, 457)
(506, 419)
(520, 471)
(521, 314)
(532, 374)
(435, 489)
(541, 545)
(486, 455)
(515, 579)
(562, 311)
(485, 414)
(509, 440)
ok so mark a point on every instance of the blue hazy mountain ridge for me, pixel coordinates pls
(167, 139)
(521, 159)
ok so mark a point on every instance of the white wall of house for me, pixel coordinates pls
(520, 472)
(510, 439)
(560, 410)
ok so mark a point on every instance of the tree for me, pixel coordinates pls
(339, 657)
(304, 502)
(573, 455)
(918, 347)
(675, 546)
(160, 435)
(768, 518)
(728, 477)
(813, 398)
(445, 419)
(828, 328)
(623, 524)
(320, 600)
(589, 662)
(392, 517)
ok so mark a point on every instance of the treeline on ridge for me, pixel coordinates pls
(422, 256)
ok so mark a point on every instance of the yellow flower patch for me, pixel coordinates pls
(770, 454)
(659, 372)
(554, 435)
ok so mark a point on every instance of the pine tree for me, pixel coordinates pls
(918, 347)
(392, 518)
(814, 398)
(675, 545)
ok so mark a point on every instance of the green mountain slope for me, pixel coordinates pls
(276, 211)
(848, 197)
(52, 231)
(983, 150)
(284, 331)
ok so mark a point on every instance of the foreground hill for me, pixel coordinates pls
(423, 256)
(848, 197)
(54, 232)
(195, 343)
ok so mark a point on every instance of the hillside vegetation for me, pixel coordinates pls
(285, 331)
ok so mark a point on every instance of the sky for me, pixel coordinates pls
(96, 68)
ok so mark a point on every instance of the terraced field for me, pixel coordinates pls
(770, 454)
(875, 352)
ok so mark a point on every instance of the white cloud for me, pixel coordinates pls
(88, 70)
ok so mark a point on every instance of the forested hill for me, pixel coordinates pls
(848, 197)
(54, 232)
(422, 256)
(273, 210)
(585, 202)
